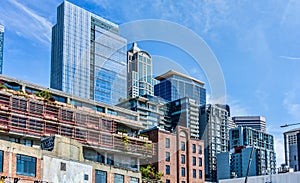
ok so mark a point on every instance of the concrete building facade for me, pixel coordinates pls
(255, 122)
(88, 56)
(178, 156)
(152, 110)
(292, 148)
(214, 130)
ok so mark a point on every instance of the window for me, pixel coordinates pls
(167, 170)
(134, 180)
(200, 174)
(168, 156)
(118, 178)
(100, 176)
(1, 161)
(182, 159)
(194, 161)
(182, 172)
(167, 181)
(167, 143)
(86, 177)
(194, 173)
(63, 166)
(194, 148)
(182, 146)
(200, 161)
(199, 149)
(26, 165)
(110, 159)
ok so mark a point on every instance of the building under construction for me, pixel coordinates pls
(109, 134)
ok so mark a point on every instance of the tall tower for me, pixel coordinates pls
(139, 73)
(88, 56)
(292, 148)
(174, 85)
(1, 47)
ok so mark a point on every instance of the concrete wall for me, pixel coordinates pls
(74, 172)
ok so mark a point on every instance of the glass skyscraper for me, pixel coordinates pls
(1, 47)
(139, 76)
(174, 85)
(88, 56)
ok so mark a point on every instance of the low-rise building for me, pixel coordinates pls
(108, 134)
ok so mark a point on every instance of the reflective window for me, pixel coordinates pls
(26, 165)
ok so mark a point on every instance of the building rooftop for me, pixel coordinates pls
(172, 72)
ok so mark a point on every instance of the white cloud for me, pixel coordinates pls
(237, 108)
(25, 22)
(279, 149)
(291, 105)
(290, 58)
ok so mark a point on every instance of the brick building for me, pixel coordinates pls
(178, 156)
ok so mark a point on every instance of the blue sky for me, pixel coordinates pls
(257, 44)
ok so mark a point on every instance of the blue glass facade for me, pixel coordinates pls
(88, 57)
(174, 86)
(1, 47)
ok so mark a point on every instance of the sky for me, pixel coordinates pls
(257, 44)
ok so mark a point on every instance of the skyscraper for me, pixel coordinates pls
(214, 130)
(88, 56)
(139, 76)
(255, 122)
(1, 47)
(174, 85)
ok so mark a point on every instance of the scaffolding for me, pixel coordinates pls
(28, 114)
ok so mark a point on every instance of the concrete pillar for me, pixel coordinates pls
(105, 158)
(138, 163)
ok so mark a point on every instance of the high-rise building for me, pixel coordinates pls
(255, 122)
(242, 140)
(139, 76)
(185, 112)
(174, 85)
(214, 130)
(1, 47)
(88, 56)
(178, 156)
(292, 148)
(153, 111)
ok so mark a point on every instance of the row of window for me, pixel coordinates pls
(182, 146)
(183, 172)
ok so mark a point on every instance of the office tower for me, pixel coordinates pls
(231, 123)
(88, 56)
(255, 122)
(139, 76)
(1, 47)
(104, 137)
(178, 156)
(152, 110)
(242, 140)
(214, 130)
(292, 148)
(185, 112)
(174, 85)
